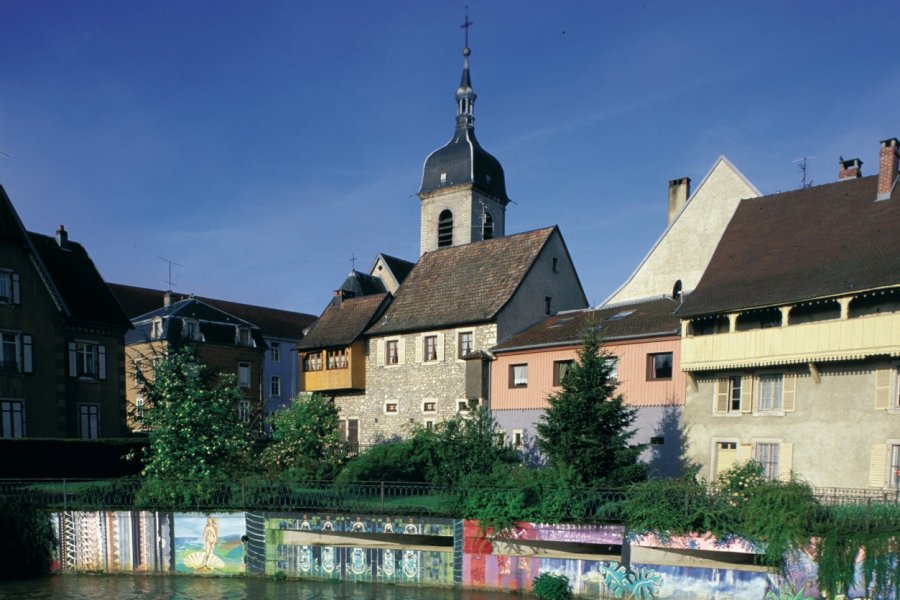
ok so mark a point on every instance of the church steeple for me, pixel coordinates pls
(463, 189)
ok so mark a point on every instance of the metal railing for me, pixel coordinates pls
(583, 505)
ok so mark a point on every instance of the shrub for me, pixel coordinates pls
(28, 539)
(396, 460)
(550, 586)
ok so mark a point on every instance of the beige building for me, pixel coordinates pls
(791, 340)
(695, 226)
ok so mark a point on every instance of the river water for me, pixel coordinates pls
(148, 587)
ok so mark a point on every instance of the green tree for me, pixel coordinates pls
(588, 426)
(306, 442)
(193, 422)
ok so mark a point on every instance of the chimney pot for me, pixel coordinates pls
(850, 169)
(679, 192)
(62, 238)
(887, 168)
(167, 298)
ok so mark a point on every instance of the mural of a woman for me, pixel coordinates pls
(210, 539)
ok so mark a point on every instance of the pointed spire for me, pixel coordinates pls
(465, 95)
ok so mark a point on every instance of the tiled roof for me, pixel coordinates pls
(343, 322)
(362, 284)
(648, 318)
(274, 322)
(811, 243)
(469, 283)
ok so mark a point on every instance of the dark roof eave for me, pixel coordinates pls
(578, 341)
(431, 327)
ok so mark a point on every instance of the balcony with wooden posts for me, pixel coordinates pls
(846, 328)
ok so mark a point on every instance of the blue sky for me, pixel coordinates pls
(261, 144)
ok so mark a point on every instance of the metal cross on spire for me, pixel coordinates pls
(353, 260)
(466, 25)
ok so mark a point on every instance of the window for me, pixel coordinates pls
(894, 475)
(726, 456)
(429, 424)
(659, 366)
(766, 454)
(156, 328)
(657, 440)
(243, 337)
(139, 403)
(560, 367)
(518, 439)
(770, 392)
(429, 406)
(445, 229)
(466, 343)
(487, 227)
(276, 351)
(613, 363)
(89, 421)
(392, 357)
(727, 394)
(244, 374)
(348, 429)
(87, 360)
(275, 386)
(462, 406)
(548, 305)
(244, 409)
(391, 408)
(430, 349)
(312, 361)
(190, 329)
(555, 265)
(518, 376)
(337, 359)
(734, 393)
(9, 287)
(9, 351)
(12, 419)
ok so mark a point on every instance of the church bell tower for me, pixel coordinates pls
(463, 189)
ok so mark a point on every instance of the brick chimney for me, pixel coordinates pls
(62, 238)
(167, 298)
(887, 168)
(679, 192)
(850, 169)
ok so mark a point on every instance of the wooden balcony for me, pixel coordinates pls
(351, 376)
(837, 339)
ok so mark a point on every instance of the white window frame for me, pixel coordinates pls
(13, 362)
(714, 463)
(395, 342)
(243, 336)
(156, 328)
(428, 424)
(91, 411)
(426, 358)
(767, 465)
(80, 351)
(391, 407)
(12, 418)
(244, 367)
(190, 329)
(518, 439)
(462, 405)
(518, 376)
(245, 408)
(758, 407)
(275, 386)
(893, 464)
(459, 334)
(275, 354)
(427, 401)
(140, 404)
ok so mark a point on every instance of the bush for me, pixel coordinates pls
(28, 539)
(549, 586)
(397, 460)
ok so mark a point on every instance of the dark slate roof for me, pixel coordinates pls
(82, 288)
(362, 284)
(469, 283)
(811, 243)
(74, 281)
(344, 321)
(274, 322)
(647, 318)
(217, 326)
(399, 267)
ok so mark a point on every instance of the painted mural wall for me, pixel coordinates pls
(600, 561)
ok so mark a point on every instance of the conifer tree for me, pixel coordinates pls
(588, 426)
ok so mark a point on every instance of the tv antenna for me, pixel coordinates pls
(171, 264)
(804, 182)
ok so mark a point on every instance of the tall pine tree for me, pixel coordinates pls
(588, 426)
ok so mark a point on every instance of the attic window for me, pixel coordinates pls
(156, 328)
(487, 226)
(622, 314)
(243, 337)
(561, 322)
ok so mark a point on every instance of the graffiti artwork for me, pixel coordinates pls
(209, 544)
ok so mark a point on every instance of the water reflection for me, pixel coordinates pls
(124, 587)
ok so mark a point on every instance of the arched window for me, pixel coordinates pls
(487, 226)
(445, 229)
